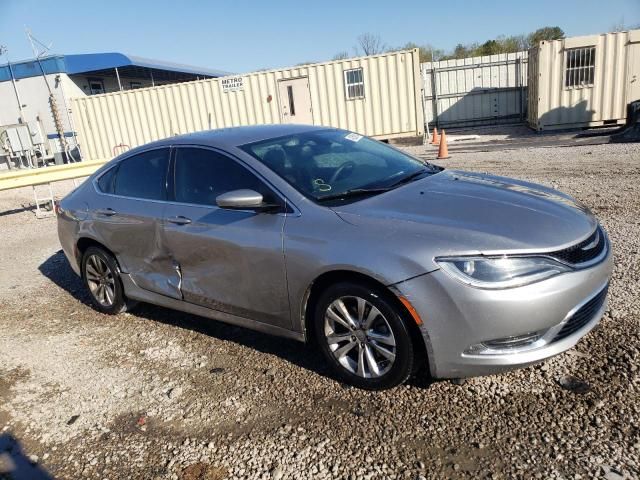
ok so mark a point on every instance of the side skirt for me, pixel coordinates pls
(134, 292)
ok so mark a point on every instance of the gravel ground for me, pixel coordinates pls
(161, 394)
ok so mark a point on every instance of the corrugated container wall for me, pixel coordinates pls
(584, 81)
(388, 105)
(475, 90)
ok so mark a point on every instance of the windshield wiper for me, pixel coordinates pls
(354, 192)
(410, 177)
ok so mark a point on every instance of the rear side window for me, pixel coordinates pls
(143, 175)
(202, 175)
(106, 182)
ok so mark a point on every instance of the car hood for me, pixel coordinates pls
(460, 212)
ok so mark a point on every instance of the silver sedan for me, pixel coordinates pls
(388, 263)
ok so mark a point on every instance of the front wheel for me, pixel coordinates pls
(363, 336)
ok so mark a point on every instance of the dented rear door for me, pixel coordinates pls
(127, 217)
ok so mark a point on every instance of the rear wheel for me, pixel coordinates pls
(363, 336)
(101, 277)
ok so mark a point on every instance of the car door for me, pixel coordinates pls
(229, 260)
(127, 218)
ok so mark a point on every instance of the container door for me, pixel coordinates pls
(633, 71)
(295, 101)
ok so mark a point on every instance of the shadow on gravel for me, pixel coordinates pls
(13, 211)
(15, 465)
(57, 269)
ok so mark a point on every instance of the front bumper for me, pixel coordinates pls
(456, 317)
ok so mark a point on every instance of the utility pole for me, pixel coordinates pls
(55, 112)
(4, 51)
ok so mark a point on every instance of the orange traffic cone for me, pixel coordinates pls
(443, 151)
(435, 140)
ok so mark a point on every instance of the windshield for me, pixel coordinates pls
(328, 164)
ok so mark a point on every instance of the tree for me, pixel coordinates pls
(461, 51)
(514, 43)
(545, 33)
(425, 52)
(621, 26)
(490, 47)
(370, 44)
(341, 56)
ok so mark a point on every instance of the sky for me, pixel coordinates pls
(242, 35)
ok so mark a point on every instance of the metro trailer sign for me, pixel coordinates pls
(232, 84)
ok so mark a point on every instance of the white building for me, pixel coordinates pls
(36, 123)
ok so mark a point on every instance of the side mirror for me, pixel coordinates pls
(243, 199)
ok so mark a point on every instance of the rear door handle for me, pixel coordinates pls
(179, 220)
(107, 212)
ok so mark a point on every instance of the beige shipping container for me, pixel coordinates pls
(378, 96)
(583, 81)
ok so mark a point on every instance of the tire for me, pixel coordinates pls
(101, 277)
(376, 352)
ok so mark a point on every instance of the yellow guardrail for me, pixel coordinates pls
(46, 175)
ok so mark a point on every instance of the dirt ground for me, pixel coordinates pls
(160, 394)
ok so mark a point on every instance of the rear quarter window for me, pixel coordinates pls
(106, 181)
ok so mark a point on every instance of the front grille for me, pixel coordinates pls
(583, 315)
(579, 253)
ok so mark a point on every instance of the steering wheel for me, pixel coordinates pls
(342, 168)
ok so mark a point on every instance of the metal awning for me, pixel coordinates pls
(104, 64)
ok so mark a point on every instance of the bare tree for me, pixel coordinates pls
(370, 44)
(341, 56)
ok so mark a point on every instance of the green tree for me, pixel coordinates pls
(426, 52)
(461, 51)
(514, 43)
(490, 47)
(545, 33)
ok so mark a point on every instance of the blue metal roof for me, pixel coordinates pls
(92, 62)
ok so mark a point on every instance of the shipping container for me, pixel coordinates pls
(583, 81)
(378, 96)
(471, 91)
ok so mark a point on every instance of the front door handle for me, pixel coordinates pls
(107, 212)
(179, 220)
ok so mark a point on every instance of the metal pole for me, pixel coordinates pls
(434, 89)
(64, 147)
(70, 121)
(118, 77)
(153, 83)
(13, 82)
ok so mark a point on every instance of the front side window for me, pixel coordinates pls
(323, 164)
(579, 67)
(354, 83)
(202, 175)
(143, 175)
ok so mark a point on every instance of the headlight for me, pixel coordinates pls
(501, 272)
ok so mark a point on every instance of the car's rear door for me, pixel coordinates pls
(229, 260)
(127, 218)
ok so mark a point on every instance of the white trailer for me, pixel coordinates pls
(583, 81)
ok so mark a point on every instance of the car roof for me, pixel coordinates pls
(234, 136)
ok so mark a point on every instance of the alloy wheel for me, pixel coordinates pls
(359, 336)
(101, 280)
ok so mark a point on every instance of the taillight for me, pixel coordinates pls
(56, 208)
